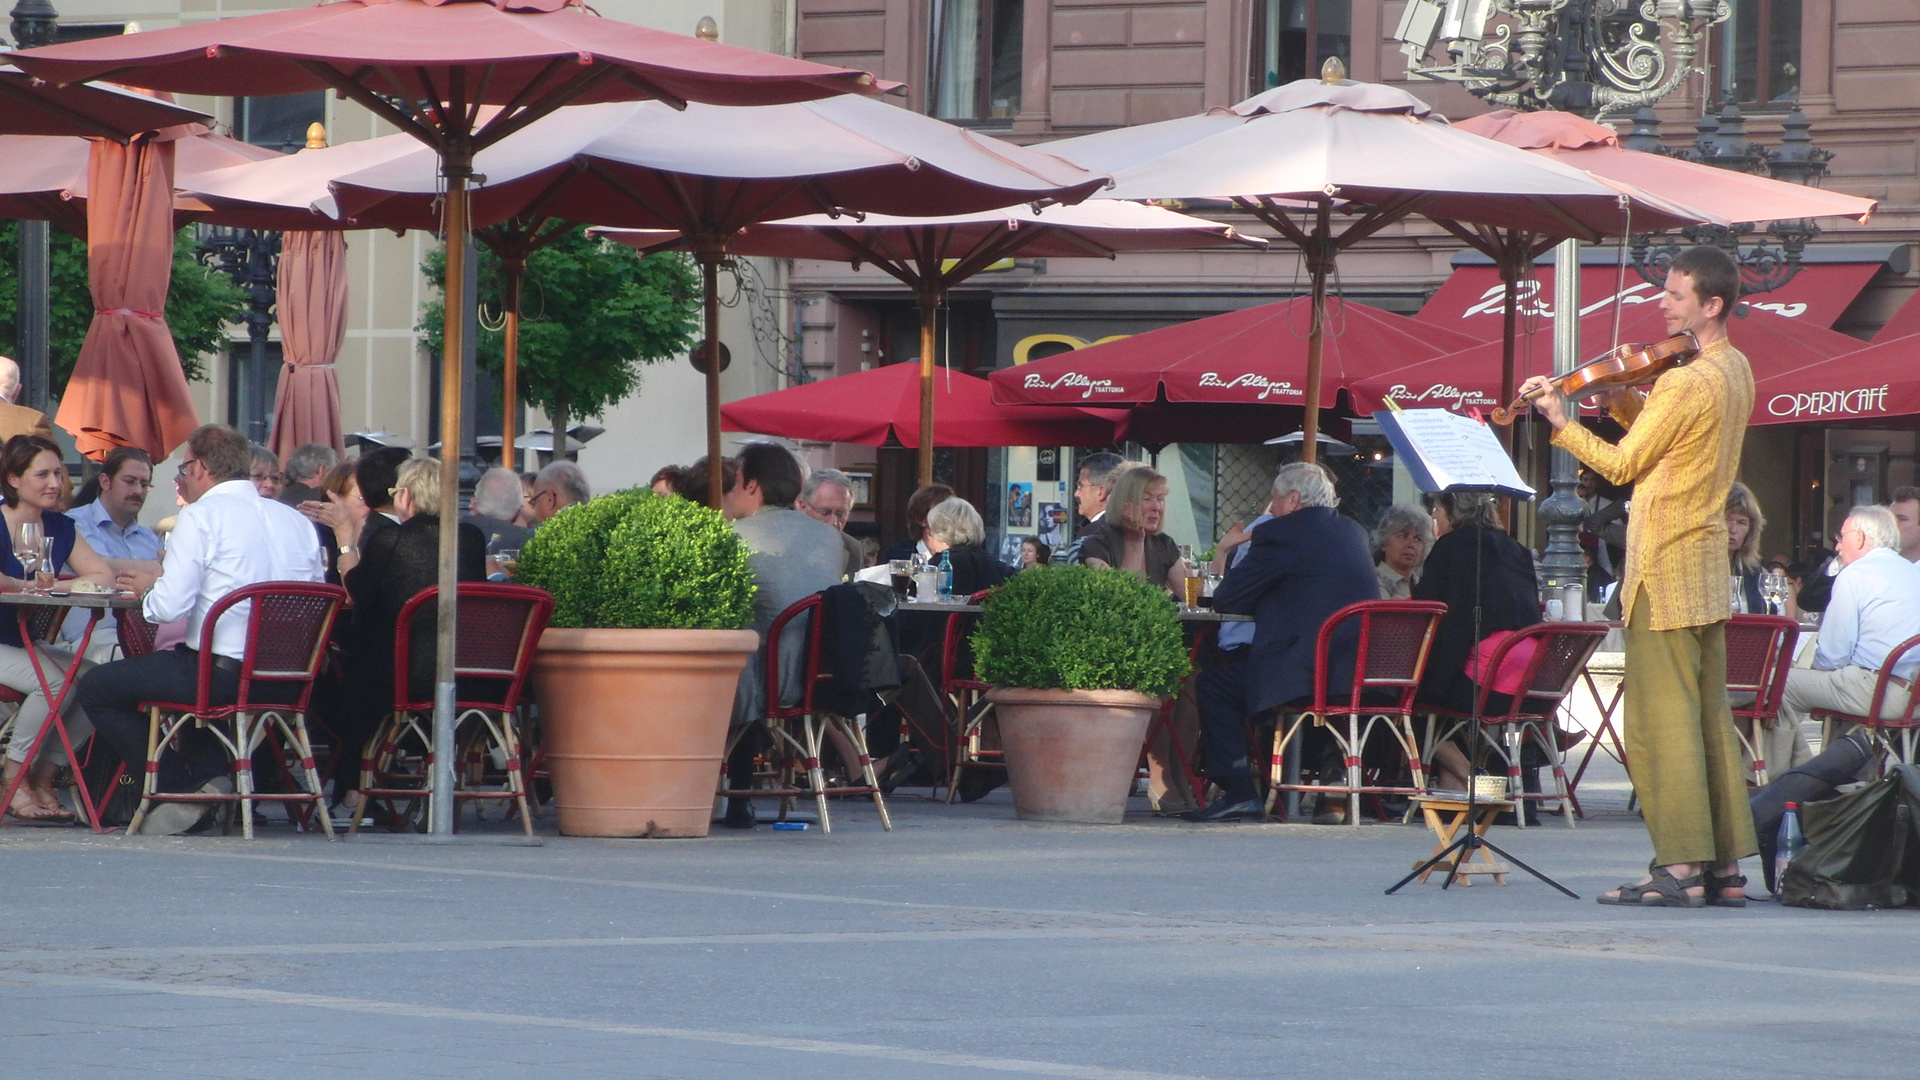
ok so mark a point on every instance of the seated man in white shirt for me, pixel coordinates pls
(111, 526)
(1875, 606)
(227, 537)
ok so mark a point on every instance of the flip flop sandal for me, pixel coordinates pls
(39, 816)
(1664, 890)
(1716, 883)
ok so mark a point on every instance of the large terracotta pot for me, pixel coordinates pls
(1071, 754)
(635, 723)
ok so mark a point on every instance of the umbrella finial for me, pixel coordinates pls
(316, 136)
(707, 29)
(1333, 72)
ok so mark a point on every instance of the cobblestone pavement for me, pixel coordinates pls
(963, 944)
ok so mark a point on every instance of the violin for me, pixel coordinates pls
(1627, 365)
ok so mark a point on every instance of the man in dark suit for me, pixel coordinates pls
(1300, 567)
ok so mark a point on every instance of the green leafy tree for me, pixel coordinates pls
(200, 302)
(593, 313)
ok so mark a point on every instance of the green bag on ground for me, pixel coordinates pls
(1863, 848)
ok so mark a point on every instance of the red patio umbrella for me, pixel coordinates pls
(1256, 356)
(430, 67)
(881, 406)
(127, 387)
(933, 255)
(1905, 321)
(704, 171)
(1372, 154)
(1871, 385)
(30, 106)
(1471, 377)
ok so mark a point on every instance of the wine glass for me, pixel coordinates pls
(1774, 587)
(26, 548)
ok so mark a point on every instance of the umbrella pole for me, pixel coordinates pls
(512, 271)
(1319, 263)
(457, 164)
(709, 255)
(1510, 277)
(929, 315)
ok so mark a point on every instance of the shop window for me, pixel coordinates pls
(1292, 38)
(279, 121)
(975, 61)
(1759, 51)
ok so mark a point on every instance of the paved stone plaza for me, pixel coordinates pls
(964, 944)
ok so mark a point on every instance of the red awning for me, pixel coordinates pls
(1904, 322)
(1472, 300)
(1875, 383)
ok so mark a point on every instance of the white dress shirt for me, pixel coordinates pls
(1875, 606)
(227, 539)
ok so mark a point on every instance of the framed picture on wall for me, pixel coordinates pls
(862, 490)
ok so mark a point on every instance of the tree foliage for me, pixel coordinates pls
(200, 302)
(593, 313)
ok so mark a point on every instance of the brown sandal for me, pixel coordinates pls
(1661, 890)
(1716, 885)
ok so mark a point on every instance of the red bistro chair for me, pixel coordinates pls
(972, 749)
(497, 632)
(287, 628)
(796, 753)
(1895, 733)
(1562, 652)
(1759, 655)
(1395, 636)
(41, 624)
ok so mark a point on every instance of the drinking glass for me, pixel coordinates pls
(26, 548)
(47, 574)
(1776, 589)
(900, 571)
(509, 560)
(1193, 584)
(1739, 596)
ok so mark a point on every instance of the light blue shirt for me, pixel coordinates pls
(1875, 606)
(1234, 635)
(110, 541)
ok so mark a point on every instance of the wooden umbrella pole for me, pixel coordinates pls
(929, 316)
(1319, 263)
(1510, 278)
(457, 165)
(709, 255)
(513, 270)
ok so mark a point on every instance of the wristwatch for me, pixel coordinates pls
(346, 549)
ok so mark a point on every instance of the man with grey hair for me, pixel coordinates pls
(558, 486)
(496, 499)
(827, 496)
(18, 419)
(1090, 499)
(304, 469)
(1300, 567)
(1875, 606)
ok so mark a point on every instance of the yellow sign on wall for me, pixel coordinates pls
(1023, 349)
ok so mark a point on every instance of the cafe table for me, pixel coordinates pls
(46, 612)
(1195, 615)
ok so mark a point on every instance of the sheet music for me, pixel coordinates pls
(1443, 449)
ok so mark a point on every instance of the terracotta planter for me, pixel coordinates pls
(1071, 754)
(635, 724)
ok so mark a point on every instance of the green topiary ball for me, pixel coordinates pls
(636, 560)
(1076, 628)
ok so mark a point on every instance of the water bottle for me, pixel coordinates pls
(946, 575)
(1786, 845)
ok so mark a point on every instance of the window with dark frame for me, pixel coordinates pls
(280, 121)
(1292, 38)
(975, 60)
(1757, 51)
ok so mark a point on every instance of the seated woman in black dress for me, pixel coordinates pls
(1471, 548)
(395, 563)
(1132, 539)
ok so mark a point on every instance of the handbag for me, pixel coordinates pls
(1507, 677)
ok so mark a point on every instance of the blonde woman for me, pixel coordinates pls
(1745, 522)
(1131, 538)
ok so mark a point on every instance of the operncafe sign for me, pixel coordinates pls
(1861, 402)
(1266, 387)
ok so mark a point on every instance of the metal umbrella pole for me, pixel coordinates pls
(457, 167)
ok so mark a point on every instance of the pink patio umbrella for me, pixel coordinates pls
(44, 177)
(704, 171)
(933, 255)
(34, 107)
(429, 67)
(127, 387)
(1372, 153)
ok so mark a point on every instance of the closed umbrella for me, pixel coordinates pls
(430, 67)
(127, 387)
(933, 255)
(29, 106)
(881, 406)
(1369, 154)
(312, 310)
(704, 171)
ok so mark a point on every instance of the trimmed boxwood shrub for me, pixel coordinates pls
(634, 560)
(1076, 628)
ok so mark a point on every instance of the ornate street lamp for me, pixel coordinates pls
(34, 22)
(251, 257)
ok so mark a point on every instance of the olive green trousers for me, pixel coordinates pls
(1682, 752)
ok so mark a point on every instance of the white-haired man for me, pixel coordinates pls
(1875, 607)
(496, 499)
(828, 496)
(18, 419)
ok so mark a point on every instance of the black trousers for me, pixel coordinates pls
(112, 693)
(1221, 692)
